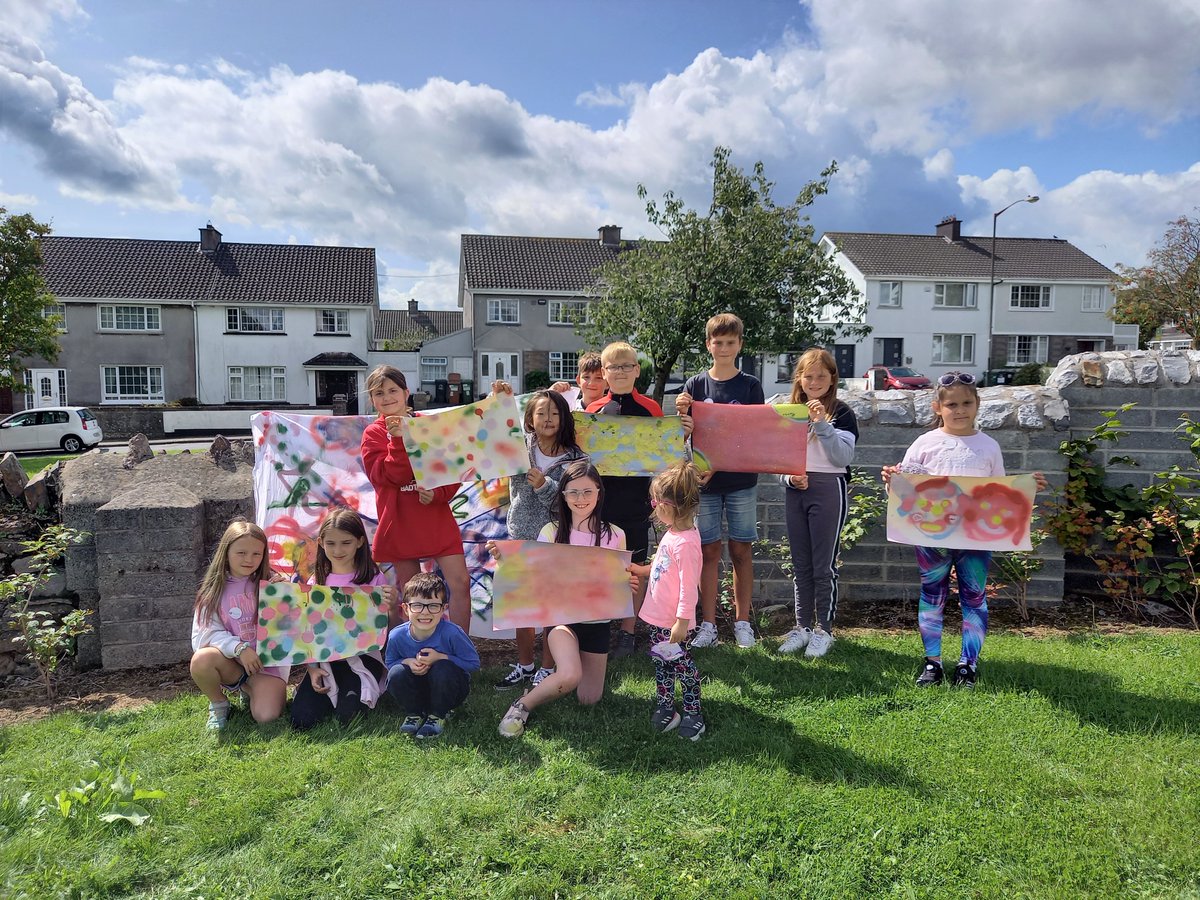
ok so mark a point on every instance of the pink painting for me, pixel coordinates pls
(756, 438)
(483, 440)
(961, 513)
(539, 584)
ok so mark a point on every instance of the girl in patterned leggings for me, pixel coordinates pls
(953, 447)
(670, 605)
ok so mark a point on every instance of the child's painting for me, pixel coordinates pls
(482, 440)
(756, 438)
(630, 445)
(961, 513)
(306, 464)
(540, 584)
(300, 623)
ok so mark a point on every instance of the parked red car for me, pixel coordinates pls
(896, 378)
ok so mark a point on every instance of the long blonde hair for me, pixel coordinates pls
(679, 485)
(815, 356)
(208, 597)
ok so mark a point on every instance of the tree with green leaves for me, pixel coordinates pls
(744, 255)
(25, 328)
(1167, 288)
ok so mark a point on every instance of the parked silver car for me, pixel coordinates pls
(50, 427)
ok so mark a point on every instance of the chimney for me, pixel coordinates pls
(610, 236)
(412, 306)
(210, 239)
(950, 228)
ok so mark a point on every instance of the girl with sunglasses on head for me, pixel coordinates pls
(953, 447)
(581, 648)
(533, 498)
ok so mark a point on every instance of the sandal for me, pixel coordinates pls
(513, 723)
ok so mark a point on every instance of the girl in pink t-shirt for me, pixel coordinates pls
(670, 605)
(343, 688)
(580, 648)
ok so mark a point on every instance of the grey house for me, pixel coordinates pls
(149, 321)
(431, 347)
(521, 298)
(930, 303)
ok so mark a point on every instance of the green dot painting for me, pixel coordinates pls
(278, 653)
(320, 627)
(347, 612)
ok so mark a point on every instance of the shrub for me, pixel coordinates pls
(1030, 373)
(536, 380)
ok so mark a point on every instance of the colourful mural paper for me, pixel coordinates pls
(306, 464)
(960, 512)
(756, 438)
(630, 445)
(540, 584)
(301, 623)
(486, 437)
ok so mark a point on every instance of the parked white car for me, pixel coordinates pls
(70, 427)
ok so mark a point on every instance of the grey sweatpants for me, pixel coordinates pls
(815, 518)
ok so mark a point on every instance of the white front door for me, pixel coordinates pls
(46, 385)
(495, 366)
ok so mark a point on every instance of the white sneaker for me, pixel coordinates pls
(819, 644)
(744, 634)
(796, 639)
(706, 635)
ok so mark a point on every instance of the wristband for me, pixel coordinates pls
(237, 651)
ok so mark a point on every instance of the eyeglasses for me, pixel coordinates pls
(656, 503)
(621, 368)
(418, 606)
(580, 495)
(953, 378)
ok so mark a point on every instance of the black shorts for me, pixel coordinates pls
(592, 636)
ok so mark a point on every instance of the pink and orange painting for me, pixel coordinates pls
(960, 512)
(758, 438)
(483, 440)
(539, 584)
(301, 623)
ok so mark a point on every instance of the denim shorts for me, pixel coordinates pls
(741, 512)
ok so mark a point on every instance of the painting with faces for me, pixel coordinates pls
(960, 512)
(303, 465)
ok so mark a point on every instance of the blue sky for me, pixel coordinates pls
(402, 125)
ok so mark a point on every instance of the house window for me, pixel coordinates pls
(331, 321)
(257, 383)
(1029, 296)
(1093, 298)
(953, 349)
(434, 368)
(62, 387)
(568, 312)
(130, 318)
(254, 318)
(564, 365)
(1024, 349)
(954, 296)
(56, 309)
(785, 367)
(504, 311)
(890, 293)
(130, 383)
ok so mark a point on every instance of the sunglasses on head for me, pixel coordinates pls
(656, 502)
(953, 378)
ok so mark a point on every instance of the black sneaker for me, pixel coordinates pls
(663, 719)
(626, 644)
(691, 727)
(964, 676)
(517, 677)
(931, 674)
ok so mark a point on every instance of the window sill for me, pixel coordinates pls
(258, 333)
(125, 331)
(332, 334)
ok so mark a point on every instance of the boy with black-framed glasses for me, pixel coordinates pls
(429, 659)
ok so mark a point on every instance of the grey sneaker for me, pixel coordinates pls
(692, 727)
(218, 716)
(433, 728)
(743, 633)
(663, 719)
(411, 724)
(706, 635)
(541, 675)
(819, 644)
(626, 644)
(796, 639)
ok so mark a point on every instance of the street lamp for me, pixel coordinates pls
(1032, 198)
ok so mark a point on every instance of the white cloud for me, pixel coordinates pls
(938, 166)
(599, 96)
(17, 202)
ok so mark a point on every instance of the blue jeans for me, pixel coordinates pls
(741, 512)
(441, 689)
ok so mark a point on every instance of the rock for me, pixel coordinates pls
(139, 451)
(1156, 609)
(1062, 377)
(1145, 371)
(1117, 372)
(1056, 410)
(862, 408)
(37, 492)
(53, 587)
(13, 475)
(993, 414)
(894, 412)
(923, 409)
(1029, 416)
(1093, 375)
(1023, 395)
(1177, 368)
(8, 664)
(54, 606)
(222, 453)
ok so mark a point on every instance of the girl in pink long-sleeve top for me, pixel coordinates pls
(670, 605)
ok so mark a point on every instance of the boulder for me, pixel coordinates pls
(139, 451)
(13, 475)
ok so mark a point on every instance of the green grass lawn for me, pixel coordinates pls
(1073, 770)
(34, 464)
